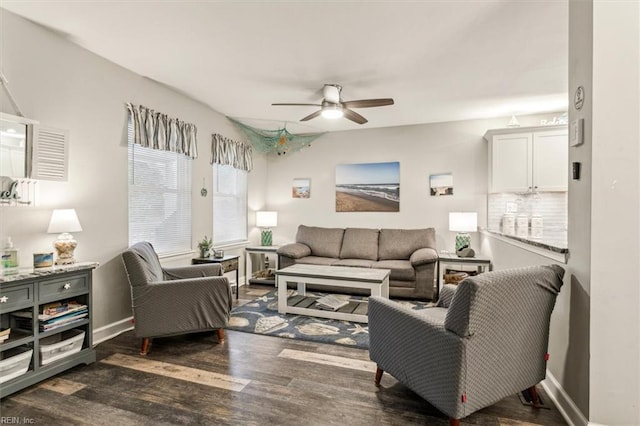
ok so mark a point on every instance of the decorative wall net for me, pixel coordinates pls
(279, 141)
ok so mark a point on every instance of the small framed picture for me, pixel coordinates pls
(441, 184)
(301, 188)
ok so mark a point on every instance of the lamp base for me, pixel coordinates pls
(266, 237)
(462, 240)
(65, 245)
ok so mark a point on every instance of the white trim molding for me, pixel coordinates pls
(110, 331)
(563, 401)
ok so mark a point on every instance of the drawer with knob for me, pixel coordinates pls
(230, 265)
(15, 297)
(54, 289)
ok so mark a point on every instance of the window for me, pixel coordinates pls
(229, 205)
(159, 198)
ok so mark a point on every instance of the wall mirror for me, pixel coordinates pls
(16, 134)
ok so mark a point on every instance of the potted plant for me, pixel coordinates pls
(205, 246)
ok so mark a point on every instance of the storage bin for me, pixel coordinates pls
(14, 362)
(60, 345)
(522, 221)
(536, 232)
(508, 221)
(537, 221)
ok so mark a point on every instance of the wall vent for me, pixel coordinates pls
(50, 153)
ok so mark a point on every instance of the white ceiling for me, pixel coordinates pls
(440, 60)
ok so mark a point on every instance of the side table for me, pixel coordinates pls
(229, 263)
(482, 264)
(262, 251)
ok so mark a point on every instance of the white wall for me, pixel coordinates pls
(615, 215)
(65, 86)
(454, 147)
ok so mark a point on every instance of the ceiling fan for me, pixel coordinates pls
(333, 106)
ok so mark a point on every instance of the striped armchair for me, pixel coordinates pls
(487, 339)
(171, 301)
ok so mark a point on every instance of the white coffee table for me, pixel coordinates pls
(374, 280)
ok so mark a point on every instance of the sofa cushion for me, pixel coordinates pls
(317, 260)
(401, 270)
(359, 243)
(323, 242)
(401, 243)
(360, 263)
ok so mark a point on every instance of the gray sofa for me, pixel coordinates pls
(410, 254)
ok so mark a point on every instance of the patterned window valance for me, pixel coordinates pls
(230, 152)
(156, 130)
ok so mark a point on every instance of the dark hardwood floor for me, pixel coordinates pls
(247, 380)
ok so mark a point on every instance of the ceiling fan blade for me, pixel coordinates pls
(310, 116)
(368, 103)
(318, 105)
(354, 116)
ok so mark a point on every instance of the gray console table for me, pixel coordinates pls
(27, 291)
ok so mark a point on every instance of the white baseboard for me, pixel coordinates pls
(110, 331)
(565, 404)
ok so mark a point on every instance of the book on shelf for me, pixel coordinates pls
(48, 315)
(331, 302)
(62, 322)
(57, 307)
(23, 319)
(5, 332)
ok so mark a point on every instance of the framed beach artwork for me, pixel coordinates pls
(301, 188)
(441, 184)
(368, 187)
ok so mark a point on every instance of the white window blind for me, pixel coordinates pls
(229, 205)
(159, 199)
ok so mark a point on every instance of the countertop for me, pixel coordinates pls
(553, 240)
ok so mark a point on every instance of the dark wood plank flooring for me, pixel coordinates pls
(247, 380)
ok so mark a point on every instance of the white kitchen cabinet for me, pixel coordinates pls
(528, 159)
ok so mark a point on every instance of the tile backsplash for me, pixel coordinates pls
(552, 206)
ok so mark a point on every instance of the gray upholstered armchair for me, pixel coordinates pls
(487, 339)
(171, 301)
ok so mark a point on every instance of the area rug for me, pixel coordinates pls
(260, 316)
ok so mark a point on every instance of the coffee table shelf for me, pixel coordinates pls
(375, 280)
(358, 307)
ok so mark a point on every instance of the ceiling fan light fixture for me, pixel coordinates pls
(332, 112)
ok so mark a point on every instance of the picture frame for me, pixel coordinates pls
(301, 188)
(368, 187)
(441, 184)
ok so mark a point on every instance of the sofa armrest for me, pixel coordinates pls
(294, 250)
(423, 256)
(446, 295)
(193, 271)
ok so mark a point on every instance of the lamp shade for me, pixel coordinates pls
(64, 220)
(266, 219)
(463, 221)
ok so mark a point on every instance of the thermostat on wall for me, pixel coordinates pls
(575, 132)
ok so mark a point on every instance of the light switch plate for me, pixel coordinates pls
(576, 136)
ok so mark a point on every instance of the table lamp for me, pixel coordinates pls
(463, 223)
(64, 221)
(266, 220)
